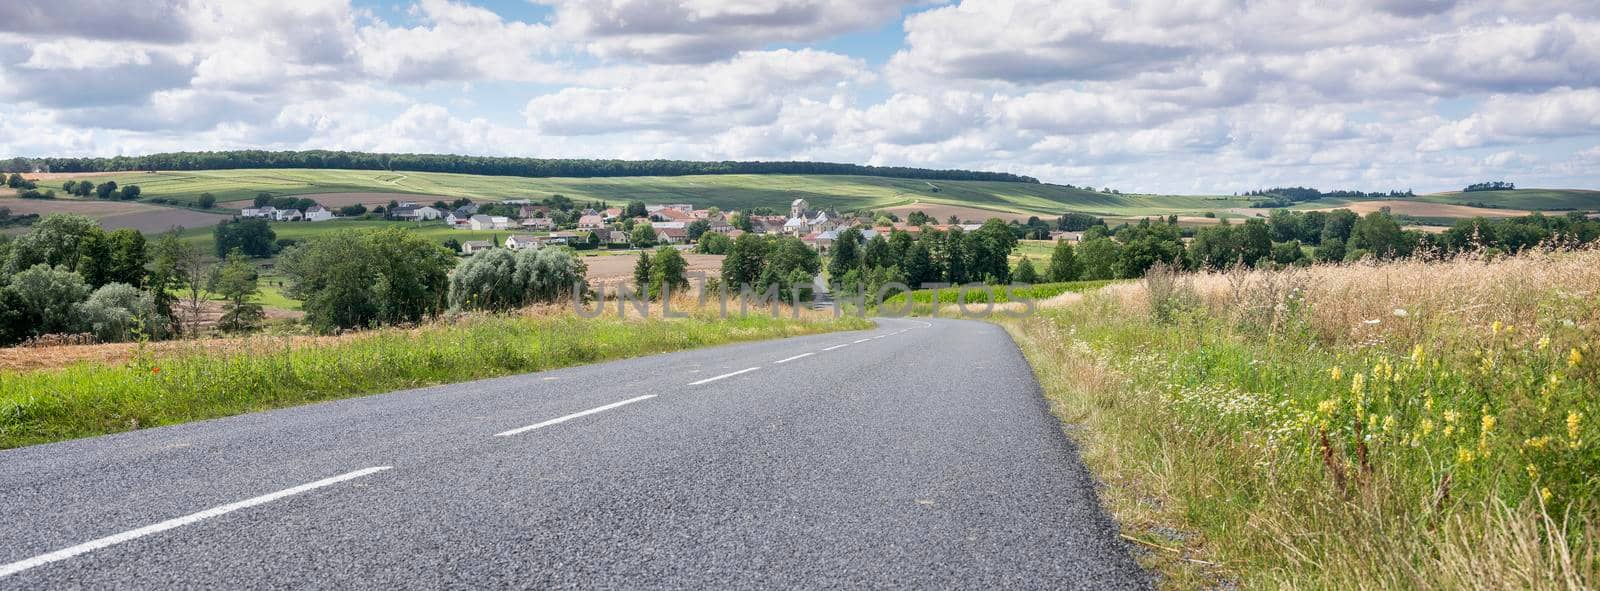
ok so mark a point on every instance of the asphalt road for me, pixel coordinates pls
(918, 454)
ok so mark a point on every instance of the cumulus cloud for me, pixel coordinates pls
(136, 20)
(1207, 95)
(750, 89)
(698, 31)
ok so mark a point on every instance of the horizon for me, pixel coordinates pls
(1374, 96)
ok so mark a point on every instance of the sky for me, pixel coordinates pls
(1155, 96)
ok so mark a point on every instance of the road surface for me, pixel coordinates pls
(917, 454)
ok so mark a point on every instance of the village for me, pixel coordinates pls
(532, 224)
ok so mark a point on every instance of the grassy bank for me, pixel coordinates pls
(1410, 425)
(922, 299)
(258, 374)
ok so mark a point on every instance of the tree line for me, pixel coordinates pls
(1286, 196)
(1298, 238)
(1490, 186)
(487, 165)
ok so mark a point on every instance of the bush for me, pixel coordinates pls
(116, 311)
(502, 279)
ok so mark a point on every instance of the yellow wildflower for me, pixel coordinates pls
(1574, 358)
(1488, 423)
(1544, 493)
(1538, 443)
(1533, 472)
(1357, 382)
(1427, 427)
(1416, 354)
(1389, 423)
(1464, 456)
(1495, 328)
(1335, 373)
(1451, 416)
(1573, 418)
(1544, 343)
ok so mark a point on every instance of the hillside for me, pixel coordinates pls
(1530, 199)
(728, 191)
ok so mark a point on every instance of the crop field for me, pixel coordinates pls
(115, 215)
(725, 191)
(1531, 199)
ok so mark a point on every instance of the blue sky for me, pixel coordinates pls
(1140, 95)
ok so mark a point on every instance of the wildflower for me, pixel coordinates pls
(1327, 407)
(1573, 417)
(1544, 343)
(1416, 354)
(1335, 373)
(1533, 472)
(1389, 423)
(1401, 313)
(155, 370)
(1427, 427)
(1488, 424)
(1495, 328)
(1538, 443)
(1544, 493)
(1464, 456)
(1451, 416)
(1357, 382)
(1574, 358)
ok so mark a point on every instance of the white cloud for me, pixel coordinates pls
(1506, 119)
(750, 89)
(698, 31)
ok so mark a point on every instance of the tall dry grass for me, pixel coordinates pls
(1410, 424)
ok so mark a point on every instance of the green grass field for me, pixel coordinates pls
(94, 399)
(725, 191)
(1531, 199)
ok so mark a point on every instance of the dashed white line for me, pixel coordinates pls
(859, 341)
(575, 415)
(90, 546)
(795, 357)
(726, 375)
(837, 347)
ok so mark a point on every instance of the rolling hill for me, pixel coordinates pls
(728, 191)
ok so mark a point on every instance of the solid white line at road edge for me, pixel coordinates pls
(802, 355)
(90, 546)
(573, 416)
(726, 375)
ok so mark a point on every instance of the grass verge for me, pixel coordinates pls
(95, 399)
(1402, 426)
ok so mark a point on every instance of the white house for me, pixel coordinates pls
(265, 211)
(417, 213)
(287, 215)
(484, 222)
(519, 241)
(472, 246)
(591, 222)
(539, 224)
(318, 213)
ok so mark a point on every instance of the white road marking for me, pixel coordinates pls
(795, 357)
(837, 347)
(726, 375)
(575, 415)
(863, 340)
(90, 546)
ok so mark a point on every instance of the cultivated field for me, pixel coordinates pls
(1427, 209)
(338, 200)
(725, 191)
(611, 270)
(1531, 199)
(114, 215)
